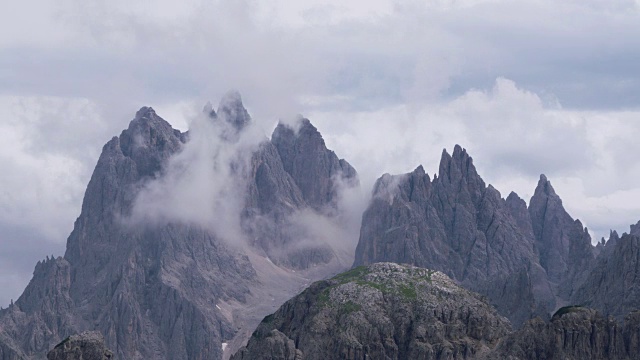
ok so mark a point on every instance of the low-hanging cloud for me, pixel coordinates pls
(204, 184)
(513, 134)
(373, 70)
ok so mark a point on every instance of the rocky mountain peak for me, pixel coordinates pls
(635, 229)
(317, 170)
(208, 110)
(233, 111)
(460, 160)
(146, 133)
(302, 131)
(458, 172)
(545, 205)
(517, 207)
(50, 277)
(564, 244)
(145, 112)
(544, 188)
(514, 201)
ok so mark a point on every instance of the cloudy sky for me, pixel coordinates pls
(527, 86)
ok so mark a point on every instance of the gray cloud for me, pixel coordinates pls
(388, 84)
(203, 183)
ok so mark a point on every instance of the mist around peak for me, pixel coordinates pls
(203, 184)
(216, 180)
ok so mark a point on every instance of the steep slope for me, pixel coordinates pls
(458, 225)
(134, 284)
(392, 311)
(293, 171)
(383, 311)
(318, 171)
(88, 345)
(161, 287)
(573, 334)
(613, 286)
(565, 246)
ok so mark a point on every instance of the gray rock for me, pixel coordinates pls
(315, 169)
(154, 290)
(612, 286)
(88, 345)
(383, 311)
(458, 225)
(635, 229)
(565, 246)
(231, 110)
(574, 333)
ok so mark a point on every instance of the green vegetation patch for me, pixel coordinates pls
(405, 290)
(408, 292)
(349, 307)
(383, 288)
(353, 274)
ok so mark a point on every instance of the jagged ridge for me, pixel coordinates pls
(527, 261)
(164, 290)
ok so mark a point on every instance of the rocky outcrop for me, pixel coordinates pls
(88, 345)
(42, 315)
(574, 333)
(391, 311)
(168, 289)
(635, 229)
(564, 244)
(318, 171)
(383, 311)
(613, 285)
(460, 226)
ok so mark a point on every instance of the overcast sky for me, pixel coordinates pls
(527, 86)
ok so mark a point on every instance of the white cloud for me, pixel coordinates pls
(513, 136)
(203, 183)
(47, 155)
(388, 83)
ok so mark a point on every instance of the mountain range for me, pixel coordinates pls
(187, 240)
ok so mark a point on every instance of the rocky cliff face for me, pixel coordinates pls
(565, 246)
(462, 227)
(383, 311)
(168, 288)
(527, 260)
(294, 171)
(574, 333)
(88, 345)
(318, 171)
(612, 286)
(391, 311)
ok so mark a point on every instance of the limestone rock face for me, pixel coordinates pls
(169, 289)
(231, 110)
(383, 311)
(392, 311)
(635, 229)
(578, 333)
(317, 171)
(613, 285)
(88, 345)
(460, 226)
(565, 246)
